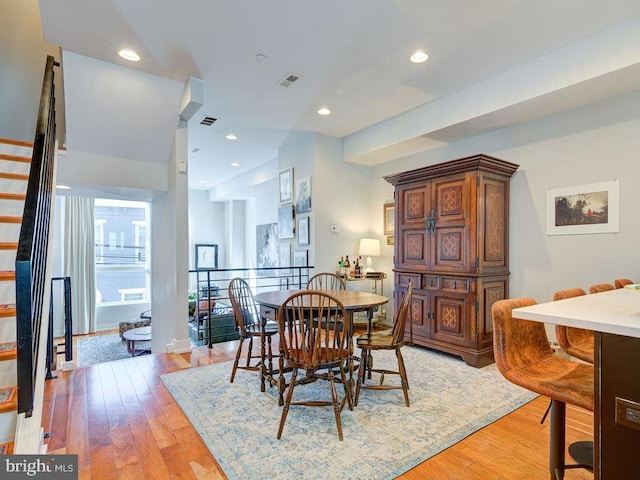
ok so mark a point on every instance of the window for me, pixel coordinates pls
(122, 245)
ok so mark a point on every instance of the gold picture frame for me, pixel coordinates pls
(388, 212)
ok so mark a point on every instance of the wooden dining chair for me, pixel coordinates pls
(524, 357)
(601, 287)
(326, 281)
(577, 342)
(393, 339)
(250, 325)
(621, 282)
(315, 349)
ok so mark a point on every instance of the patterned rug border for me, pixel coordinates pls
(199, 390)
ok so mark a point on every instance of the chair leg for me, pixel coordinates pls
(249, 351)
(270, 354)
(403, 377)
(557, 440)
(235, 362)
(361, 373)
(347, 387)
(336, 403)
(287, 402)
(263, 368)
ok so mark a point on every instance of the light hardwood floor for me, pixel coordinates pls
(123, 424)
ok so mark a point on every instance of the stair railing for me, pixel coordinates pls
(32, 259)
(53, 349)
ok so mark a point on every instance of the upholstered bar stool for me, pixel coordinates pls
(621, 282)
(524, 357)
(601, 287)
(577, 342)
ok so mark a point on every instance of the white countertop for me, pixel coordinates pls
(615, 311)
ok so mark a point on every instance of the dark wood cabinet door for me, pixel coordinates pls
(419, 310)
(453, 206)
(493, 233)
(450, 319)
(413, 205)
(489, 292)
(412, 247)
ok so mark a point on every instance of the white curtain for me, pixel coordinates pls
(80, 261)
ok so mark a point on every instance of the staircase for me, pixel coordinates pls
(15, 159)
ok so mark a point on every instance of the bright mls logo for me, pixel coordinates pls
(47, 467)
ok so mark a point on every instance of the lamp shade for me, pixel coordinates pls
(369, 247)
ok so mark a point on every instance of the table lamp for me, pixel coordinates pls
(369, 247)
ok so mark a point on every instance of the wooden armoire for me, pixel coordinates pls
(452, 243)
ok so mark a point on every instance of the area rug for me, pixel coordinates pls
(382, 437)
(103, 348)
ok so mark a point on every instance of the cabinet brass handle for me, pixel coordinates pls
(433, 223)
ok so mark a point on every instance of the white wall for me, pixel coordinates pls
(587, 145)
(341, 197)
(207, 225)
(22, 61)
(299, 154)
(170, 257)
(235, 212)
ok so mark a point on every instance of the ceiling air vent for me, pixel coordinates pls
(208, 121)
(289, 79)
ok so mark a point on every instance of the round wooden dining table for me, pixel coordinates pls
(353, 301)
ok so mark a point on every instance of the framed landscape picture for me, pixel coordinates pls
(583, 209)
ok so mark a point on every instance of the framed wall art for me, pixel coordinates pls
(285, 258)
(285, 185)
(300, 258)
(285, 221)
(266, 246)
(303, 231)
(388, 210)
(303, 195)
(584, 209)
(206, 256)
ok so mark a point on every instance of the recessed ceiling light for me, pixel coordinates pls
(234, 164)
(129, 55)
(261, 57)
(419, 57)
(203, 181)
(324, 111)
(231, 136)
(63, 187)
(195, 150)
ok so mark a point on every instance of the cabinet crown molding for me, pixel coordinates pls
(479, 162)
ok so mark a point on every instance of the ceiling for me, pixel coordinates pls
(489, 67)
